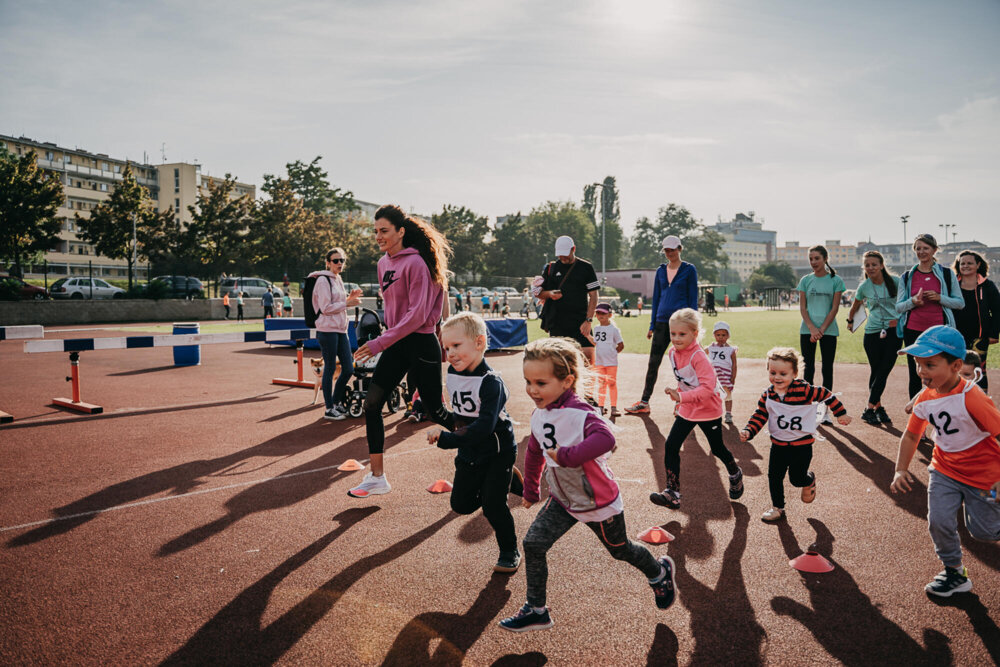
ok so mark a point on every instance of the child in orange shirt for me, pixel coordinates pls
(965, 464)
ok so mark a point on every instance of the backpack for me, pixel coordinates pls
(944, 270)
(307, 300)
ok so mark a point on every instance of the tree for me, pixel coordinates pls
(772, 274)
(309, 182)
(466, 232)
(219, 227)
(127, 225)
(29, 198)
(611, 219)
(522, 245)
(702, 246)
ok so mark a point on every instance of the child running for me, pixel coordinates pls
(481, 432)
(965, 463)
(608, 342)
(971, 370)
(572, 442)
(698, 404)
(723, 358)
(788, 405)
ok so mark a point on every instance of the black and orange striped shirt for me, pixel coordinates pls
(799, 392)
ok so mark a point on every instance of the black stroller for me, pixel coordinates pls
(368, 325)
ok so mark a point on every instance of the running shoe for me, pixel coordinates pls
(666, 498)
(508, 561)
(336, 413)
(728, 418)
(665, 590)
(773, 515)
(882, 416)
(950, 581)
(736, 484)
(870, 417)
(527, 619)
(638, 408)
(809, 492)
(370, 486)
(615, 412)
(826, 416)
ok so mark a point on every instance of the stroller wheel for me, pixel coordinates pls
(355, 409)
(395, 400)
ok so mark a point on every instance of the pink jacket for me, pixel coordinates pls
(701, 403)
(413, 302)
(330, 302)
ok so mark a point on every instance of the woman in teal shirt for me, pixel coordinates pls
(878, 293)
(819, 300)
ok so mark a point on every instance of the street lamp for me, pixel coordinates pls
(604, 272)
(945, 227)
(904, 218)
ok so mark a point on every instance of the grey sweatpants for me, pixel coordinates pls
(552, 522)
(944, 498)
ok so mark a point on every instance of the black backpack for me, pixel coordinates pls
(307, 300)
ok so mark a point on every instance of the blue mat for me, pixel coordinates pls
(502, 333)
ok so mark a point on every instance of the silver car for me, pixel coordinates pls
(252, 287)
(85, 288)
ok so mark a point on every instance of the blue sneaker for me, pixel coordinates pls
(665, 590)
(527, 619)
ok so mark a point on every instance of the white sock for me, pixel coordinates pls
(539, 610)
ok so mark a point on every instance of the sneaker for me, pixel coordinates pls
(665, 590)
(883, 418)
(736, 484)
(826, 416)
(948, 581)
(638, 408)
(809, 492)
(517, 482)
(412, 417)
(870, 417)
(773, 515)
(370, 486)
(614, 412)
(336, 413)
(508, 562)
(527, 619)
(728, 418)
(666, 498)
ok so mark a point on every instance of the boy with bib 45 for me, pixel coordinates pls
(965, 464)
(787, 409)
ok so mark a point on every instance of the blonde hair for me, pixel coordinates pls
(787, 354)
(565, 354)
(472, 325)
(690, 317)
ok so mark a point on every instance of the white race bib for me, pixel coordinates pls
(562, 427)
(463, 392)
(956, 429)
(790, 422)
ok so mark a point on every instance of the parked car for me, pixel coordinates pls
(369, 289)
(478, 291)
(29, 292)
(509, 290)
(252, 287)
(83, 288)
(182, 287)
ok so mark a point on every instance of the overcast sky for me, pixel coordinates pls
(829, 119)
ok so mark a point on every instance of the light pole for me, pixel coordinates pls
(904, 218)
(945, 227)
(604, 271)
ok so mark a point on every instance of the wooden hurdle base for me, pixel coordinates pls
(298, 382)
(75, 403)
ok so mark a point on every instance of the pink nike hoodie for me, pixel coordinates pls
(413, 301)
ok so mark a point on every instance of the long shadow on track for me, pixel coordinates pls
(843, 619)
(234, 636)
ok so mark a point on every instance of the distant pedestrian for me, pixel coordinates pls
(267, 300)
(286, 304)
(495, 306)
(638, 304)
(485, 301)
(458, 301)
(225, 303)
(239, 307)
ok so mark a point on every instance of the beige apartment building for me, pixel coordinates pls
(89, 179)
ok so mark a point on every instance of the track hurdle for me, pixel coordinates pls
(299, 382)
(74, 346)
(20, 332)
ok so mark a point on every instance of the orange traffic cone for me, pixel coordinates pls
(811, 561)
(656, 535)
(350, 465)
(440, 486)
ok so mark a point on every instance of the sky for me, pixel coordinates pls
(830, 120)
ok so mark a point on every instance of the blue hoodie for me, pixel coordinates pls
(671, 297)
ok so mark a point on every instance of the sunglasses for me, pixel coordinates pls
(339, 260)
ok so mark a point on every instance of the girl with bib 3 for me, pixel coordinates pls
(787, 407)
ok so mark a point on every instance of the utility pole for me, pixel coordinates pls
(904, 218)
(945, 227)
(604, 268)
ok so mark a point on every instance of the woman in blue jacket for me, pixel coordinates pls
(928, 294)
(675, 287)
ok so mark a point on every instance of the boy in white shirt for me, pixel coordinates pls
(608, 343)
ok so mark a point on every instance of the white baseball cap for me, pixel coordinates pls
(564, 246)
(671, 242)
(721, 326)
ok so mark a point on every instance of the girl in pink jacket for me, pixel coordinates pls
(699, 403)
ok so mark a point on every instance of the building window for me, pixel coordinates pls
(118, 169)
(48, 155)
(68, 159)
(104, 187)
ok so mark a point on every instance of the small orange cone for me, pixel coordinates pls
(440, 486)
(656, 535)
(350, 465)
(811, 561)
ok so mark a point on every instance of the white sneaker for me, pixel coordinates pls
(826, 418)
(728, 418)
(370, 486)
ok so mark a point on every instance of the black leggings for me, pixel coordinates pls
(552, 522)
(828, 348)
(485, 485)
(909, 338)
(418, 355)
(661, 341)
(679, 433)
(881, 359)
(793, 459)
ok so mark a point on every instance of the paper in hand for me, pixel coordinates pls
(859, 319)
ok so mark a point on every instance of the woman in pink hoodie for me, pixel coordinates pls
(331, 301)
(413, 276)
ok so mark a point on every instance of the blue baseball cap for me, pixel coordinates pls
(936, 340)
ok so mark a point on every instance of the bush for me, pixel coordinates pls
(10, 290)
(155, 290)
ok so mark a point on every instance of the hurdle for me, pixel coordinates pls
(20, 332)
(74, 346)
(299, 382)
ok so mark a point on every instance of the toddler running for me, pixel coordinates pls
(723, 358)
(699, 403)
(608, 342)
(787, 407)
(571, 442)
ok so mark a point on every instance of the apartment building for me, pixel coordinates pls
(89, 179)
(747, 243)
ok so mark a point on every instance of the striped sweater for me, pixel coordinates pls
(799, 392)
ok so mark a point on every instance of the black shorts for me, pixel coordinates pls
(571, 332)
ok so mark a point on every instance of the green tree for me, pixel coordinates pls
(772, 274)
(466, 232)
(127, 225)
(311, 183)
(522, 246)
(702, 246)
(29, 198)
(614, 236)
(219, 229)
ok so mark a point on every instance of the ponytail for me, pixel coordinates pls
(433, 247)
(832, 270)
(826, 257)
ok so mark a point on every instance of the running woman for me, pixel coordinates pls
(819, 301)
